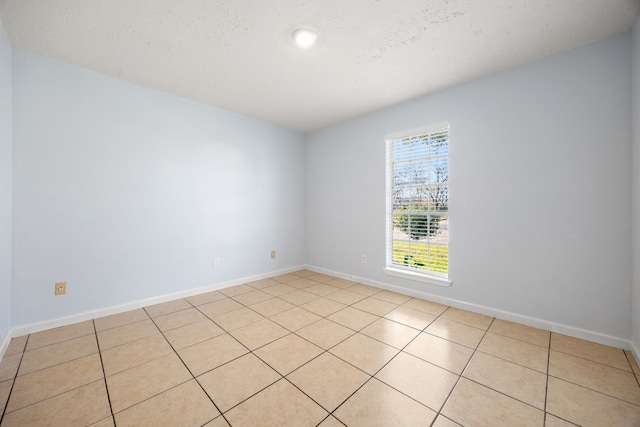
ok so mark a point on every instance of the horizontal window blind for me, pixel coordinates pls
(418, 202)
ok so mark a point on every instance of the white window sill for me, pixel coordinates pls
(419, 277)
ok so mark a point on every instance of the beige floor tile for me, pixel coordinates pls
(588, 408)
(456, 332)
(472, 404)
(136, 353)
(322, 278)
(259, 333)
(54, 354)
(252, 297)
(426, 306)
(367, 290)
(80, 407)
(328, 380)
(263, 283)
(219, 307)
(322, 289)
(271, 307)
(364, 353)
(192, 334)
(212, 353)
(278, 405)
(120, 319)
(325, 333)
(443, 421)
(443, 353)
(468, 318)
(299, 297)
(63, 333)
(390, 332)
(106, 422)
(236, 319)
(323, 306)
(167, 307)
(185, 405)
(393, 297)
(238, 380)
(375, 306)
(521, 332)
(218, 422)
(288, 353)
(304, 273)
(516, 381)
(137, 384)
(279, 289)
(632, 362)
(552, 421)
(284, 278)
(9, 366)
(410, 375)
(347, 297)
(341, 283)
(410, 317)
(330, 421)
(377, 404)
(589, 350)
(205, 298)
(602, 378)
(5, 389)
(295, 319)
(302, 283)
(516, 351)
(353, 318)
(36, 386)
(236, 290)
(178, 319)
(16, 345)
(126, 334)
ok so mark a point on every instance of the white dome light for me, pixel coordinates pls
(304, 37)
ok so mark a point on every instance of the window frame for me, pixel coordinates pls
(410, 273)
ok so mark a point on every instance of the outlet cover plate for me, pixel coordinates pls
(61, 288)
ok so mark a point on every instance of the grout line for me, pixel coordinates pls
(546, 387)
(104, 373)
(15, 378)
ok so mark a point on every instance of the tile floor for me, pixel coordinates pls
(306, 349)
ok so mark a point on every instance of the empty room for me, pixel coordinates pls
(320, 213)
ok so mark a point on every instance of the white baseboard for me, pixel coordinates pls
(636, 351)
(5, 343)
(571, 331)
(108, 311)
(489, 311)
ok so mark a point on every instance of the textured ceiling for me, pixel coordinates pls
(239, 54)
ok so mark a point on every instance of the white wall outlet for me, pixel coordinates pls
(216, 262)
(364, 259)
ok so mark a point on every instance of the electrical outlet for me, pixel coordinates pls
(273, 254)
(61, 288)
(216, 262)
(364, 259)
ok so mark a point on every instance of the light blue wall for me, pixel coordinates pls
(540, 213)
(5, 185)
(636, 186)
(128, 193)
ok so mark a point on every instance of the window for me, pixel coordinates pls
(418, 205)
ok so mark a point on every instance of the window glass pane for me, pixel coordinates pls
(419, 165)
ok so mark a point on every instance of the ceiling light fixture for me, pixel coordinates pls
(304, 37)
